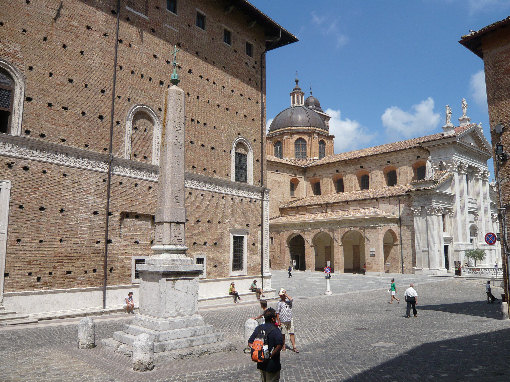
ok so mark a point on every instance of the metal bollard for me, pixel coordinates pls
(86, 333)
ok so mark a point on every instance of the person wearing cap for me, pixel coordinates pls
(284, 318)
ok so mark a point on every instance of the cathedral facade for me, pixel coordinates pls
(410, 206)
(82, 89)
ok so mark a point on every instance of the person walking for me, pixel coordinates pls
(393, 291)
(411, 298)
(270, 368)
(290, 271)
(488, 290)
(284, 318)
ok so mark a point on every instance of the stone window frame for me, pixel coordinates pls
(202, 13)
(416, 166)
(244, 233)
(168, 2)
(156, 132)
(231, 35)
(134, 279)
(315, 184)
(336, 181)
(249, 160)
(251, 49)
(322, 148)
(18, 97)
(302, 149)
(204, 257)
(360, 177)
(278, 149)
(387, 172)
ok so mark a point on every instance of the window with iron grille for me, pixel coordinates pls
(6, 101)
(200, 22)
(241, 169)
(339, 185)
(391, 178)
(420, 173)
(278, 149)
(138, 262)
(322, 149)
(300, 148)
(316, 188)
(364, 182)
(227, 37)
(171, 5)
(238, 253)
(249, 49)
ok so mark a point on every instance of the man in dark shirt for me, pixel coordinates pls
(270, 369)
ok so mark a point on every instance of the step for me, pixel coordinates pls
(12, 316)
(19, 321)
(166, 335)
(187, 342)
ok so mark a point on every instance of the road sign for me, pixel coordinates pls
(490, 238)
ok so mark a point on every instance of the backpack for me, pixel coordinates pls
(259, 347)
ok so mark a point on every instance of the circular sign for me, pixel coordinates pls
(490, 238)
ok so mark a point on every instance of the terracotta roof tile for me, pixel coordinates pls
(349, 196)
(353, 213)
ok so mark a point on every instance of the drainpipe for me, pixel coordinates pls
(110, 159)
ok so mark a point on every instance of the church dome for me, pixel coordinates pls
(313, 103)
(297, 116)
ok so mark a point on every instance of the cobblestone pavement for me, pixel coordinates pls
(353, 336)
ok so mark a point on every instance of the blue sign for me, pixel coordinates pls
(490, 238)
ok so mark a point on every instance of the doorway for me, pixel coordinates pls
(446, 258)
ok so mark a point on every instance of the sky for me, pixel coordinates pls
(383, 70)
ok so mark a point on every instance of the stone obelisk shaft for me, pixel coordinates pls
(170, 214)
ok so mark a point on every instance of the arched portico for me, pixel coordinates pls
(323, 245)
(296, 245)
(353, 243)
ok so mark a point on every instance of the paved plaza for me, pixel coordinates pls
(354, 335)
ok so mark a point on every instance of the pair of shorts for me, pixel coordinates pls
(287, 327)
(393, 293)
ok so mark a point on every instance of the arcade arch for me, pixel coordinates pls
(323, 244)
(296, 246)
(353, 244)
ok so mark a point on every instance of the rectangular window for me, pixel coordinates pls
(339, 185)
(201, 259)
(227, 37)
(365, 182)
(171, 5)
(292, 188)
(135, 273)
(200, 22)
(317, 188)
(238, 253)
(249, 49)
(241, 167)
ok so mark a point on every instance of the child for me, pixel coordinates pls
(393, 290)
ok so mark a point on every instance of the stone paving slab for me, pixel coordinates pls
(350, 336)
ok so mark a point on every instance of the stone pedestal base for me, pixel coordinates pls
(167, 334)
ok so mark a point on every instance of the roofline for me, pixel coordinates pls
(473, 41)
(276, 35)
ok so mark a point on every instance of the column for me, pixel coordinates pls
(458, 233)
(433, 233)
(338, 252)
(5, 194)
(418, 235)
(309, 252)
(265, 239)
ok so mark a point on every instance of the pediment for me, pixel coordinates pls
(473, 137)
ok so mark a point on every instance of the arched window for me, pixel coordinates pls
(364, 182)
(143, 135)
(391, 178)
(293, 186)
(300, 148)
(242, 161)
(12, 93)
(322, 149)
(278, 149)
(339, 185)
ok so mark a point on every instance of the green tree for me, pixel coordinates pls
(475, 254)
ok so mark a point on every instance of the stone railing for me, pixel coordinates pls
(482, 271)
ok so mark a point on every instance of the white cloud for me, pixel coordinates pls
(478, 91)
(349, 134)
(268, 123)
(420, 121)
(330, 28)
(476, 6)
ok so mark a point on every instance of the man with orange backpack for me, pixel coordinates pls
(266, 343)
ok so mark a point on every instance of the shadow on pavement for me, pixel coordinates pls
(481, 357)
(472, 308)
